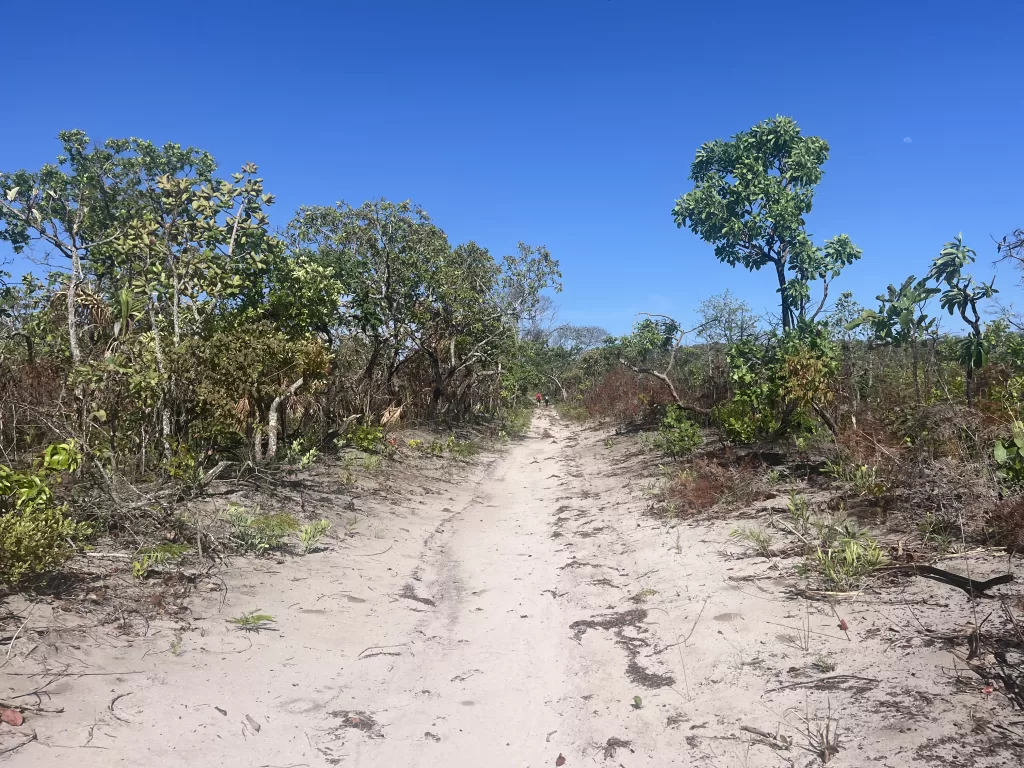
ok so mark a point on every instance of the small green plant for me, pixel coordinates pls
(351, 524)
(774, 477)
(301, 456)
(372, 462)
(863, 479)
(259, 533)
(638, 703)
(146, 559)
(460, 448)
(176, 646)
(436, 448)
(183, 466)
(415, 444)
(311, 534)
(677, 435)
(365, 438)
(844, 565)
(938, 531)
(799, 514)
(824, 664)
(253, 621)
(608, 443)
(757, 540)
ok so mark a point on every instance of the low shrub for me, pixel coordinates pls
(258, 533)
(677, 435)
(311, 534)
(36, 534)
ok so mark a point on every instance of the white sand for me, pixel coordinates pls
(549, 533)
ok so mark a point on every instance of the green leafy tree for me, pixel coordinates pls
(962, 295)
(749, 200)
(900, 321)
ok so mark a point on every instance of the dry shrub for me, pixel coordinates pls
(957, 431)
(706, 483)
(1005, 524)
(627, 396)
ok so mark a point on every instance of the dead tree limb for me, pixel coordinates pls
(663, 376)
(971, 586)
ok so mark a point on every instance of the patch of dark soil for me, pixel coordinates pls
(580, 564)
(631, 618)
(642, 677)
(360, 721)
(563, 508)
(614, 744)
(957, 752)
(591, 533)
(604, 583)
(557, 535)
(619, 623)
(410, 594)
(674, 721)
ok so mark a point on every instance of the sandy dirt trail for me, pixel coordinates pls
(507, 618)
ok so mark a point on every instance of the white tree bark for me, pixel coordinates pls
(274, 418)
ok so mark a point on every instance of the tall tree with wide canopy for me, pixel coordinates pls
(749, 200)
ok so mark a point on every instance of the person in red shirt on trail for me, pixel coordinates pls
(539, 398)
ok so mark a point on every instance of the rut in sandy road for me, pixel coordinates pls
(489, 673)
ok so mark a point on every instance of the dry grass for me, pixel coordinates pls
(706, 482)
(1004, 524)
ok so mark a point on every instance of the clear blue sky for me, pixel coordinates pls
(569, 124)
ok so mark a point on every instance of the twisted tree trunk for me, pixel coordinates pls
(274, 418)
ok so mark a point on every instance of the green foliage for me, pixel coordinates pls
(864, 480)
(365, 438)
(742, 422)
(146, 559)
(777, 384)
(749, 200)
(963, 295)
(301, 456)
(191, 333)
(846, 561)
(252, 621)
(677, 435)
(183, 467)
(799, 514)
(900, 318)
(650, 336)
(311, 534)
(36, 534)
(258, 533)
(460, 448)
(1009, 457)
